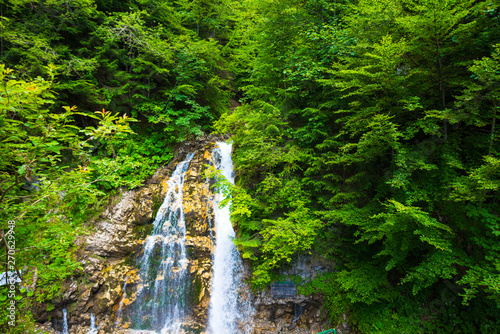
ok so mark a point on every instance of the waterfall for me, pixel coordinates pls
(93, 328)
(65, 321)
(120, 306)
(227, 309)
(162, 293)
(298, 310)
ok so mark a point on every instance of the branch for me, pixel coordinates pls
(16, 182)
(17, 250)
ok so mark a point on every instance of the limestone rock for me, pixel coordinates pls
(114, 237)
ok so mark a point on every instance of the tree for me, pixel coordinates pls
(45, 164)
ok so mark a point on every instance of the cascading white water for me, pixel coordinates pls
(227, 310)
(93, 328)
(65, 321)
(161, 300)
(298, 310)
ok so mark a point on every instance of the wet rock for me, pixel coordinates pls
(198, 214)
(277, 315)
(45, 328)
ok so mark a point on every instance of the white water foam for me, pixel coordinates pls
(65, 322)
(227, 310)
(161, 302)
(93, 328)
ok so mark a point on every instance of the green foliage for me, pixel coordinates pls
(178, 124)
(370, 127)
(144, 58)
(284, 238)
(366, 135)
(46, 164)
(159, 62)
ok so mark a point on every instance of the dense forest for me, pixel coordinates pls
(365, 133)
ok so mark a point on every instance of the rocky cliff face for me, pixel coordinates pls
(109, 280)
(198, 214)
(299, 314)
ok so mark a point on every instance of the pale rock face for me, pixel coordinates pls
(114, 236)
